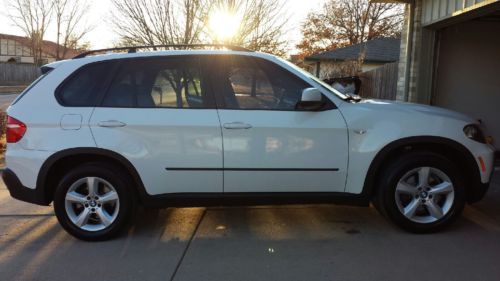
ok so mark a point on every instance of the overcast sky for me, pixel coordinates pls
(102, 36)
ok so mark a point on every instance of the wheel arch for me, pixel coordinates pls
(451, 149)
(62, 161)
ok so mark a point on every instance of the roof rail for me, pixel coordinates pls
(133, 49)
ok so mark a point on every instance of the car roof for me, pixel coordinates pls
(125, 55)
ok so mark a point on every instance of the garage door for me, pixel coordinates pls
(468, 71)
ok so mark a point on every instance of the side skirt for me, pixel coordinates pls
(252, 199)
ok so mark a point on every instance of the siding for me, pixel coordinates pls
(437, 10)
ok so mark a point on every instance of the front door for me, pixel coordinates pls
(269, 146)
(160, 115)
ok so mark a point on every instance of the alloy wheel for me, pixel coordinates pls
(92, 203)
(425, 195)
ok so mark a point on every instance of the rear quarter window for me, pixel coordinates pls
(84, 86)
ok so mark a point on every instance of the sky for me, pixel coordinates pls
(103, 37)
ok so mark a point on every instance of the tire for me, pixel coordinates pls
(98, 215)
(418, 203)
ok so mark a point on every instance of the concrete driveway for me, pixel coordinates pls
(318, 242)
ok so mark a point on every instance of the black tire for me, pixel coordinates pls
(385, 200)
(120, 182)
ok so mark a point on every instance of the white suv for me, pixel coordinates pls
(101, 134)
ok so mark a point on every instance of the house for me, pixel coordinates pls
(17, 49)
(373, 53)
(450, 57)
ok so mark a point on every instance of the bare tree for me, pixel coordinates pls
(262, 24)
(347, 22)
(154, 22)
(70, 25)
(150, 22)
(33, 18)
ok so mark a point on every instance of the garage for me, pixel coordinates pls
(468, 70)
(450, 57)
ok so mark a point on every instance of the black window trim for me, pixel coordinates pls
(221, 105)
(218, 103)
(112, 75)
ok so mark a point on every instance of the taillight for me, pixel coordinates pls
(15, 130)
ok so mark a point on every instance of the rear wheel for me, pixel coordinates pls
(94, 202)
(421, 192)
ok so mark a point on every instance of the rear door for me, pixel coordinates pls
(159, 114)
(269, 145)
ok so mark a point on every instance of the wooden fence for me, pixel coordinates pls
(18, 73)
(380, 83)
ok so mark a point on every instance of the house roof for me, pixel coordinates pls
(48, 48)
(376, 50)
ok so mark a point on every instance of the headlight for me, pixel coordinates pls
(473, 132)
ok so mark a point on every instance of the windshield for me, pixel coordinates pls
(315, 79)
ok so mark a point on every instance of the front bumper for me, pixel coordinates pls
(23, 193)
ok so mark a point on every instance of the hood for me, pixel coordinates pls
(415, 107)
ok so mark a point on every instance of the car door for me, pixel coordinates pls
(269, 146)
(159, 114)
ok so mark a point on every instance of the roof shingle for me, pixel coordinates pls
(376, 50)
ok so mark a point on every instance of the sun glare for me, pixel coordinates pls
(224, 24)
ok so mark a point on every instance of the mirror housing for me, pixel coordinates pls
(311, 99)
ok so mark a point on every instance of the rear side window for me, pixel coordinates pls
(175, 82)
(84, 87)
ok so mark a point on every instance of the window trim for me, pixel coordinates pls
(219, 95)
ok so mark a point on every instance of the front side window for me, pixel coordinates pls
(259, 84)
(159, 82)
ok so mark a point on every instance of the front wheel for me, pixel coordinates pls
(94, 202)
(421, 192)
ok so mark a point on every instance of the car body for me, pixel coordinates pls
(224, 127)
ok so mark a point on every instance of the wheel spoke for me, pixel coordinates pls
(410, 209)
(75, 197)
(442, 188)
(434, 209)
(104, 217)
(423, 176)
(404, 187)
(109, 197)
(95, 210)
(82, 218)
(92, 184)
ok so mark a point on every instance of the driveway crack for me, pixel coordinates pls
(188, 245)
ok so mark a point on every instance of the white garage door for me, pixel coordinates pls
(468, 71)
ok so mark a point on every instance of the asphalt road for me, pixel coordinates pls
(317, 242)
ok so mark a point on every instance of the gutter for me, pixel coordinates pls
(409, 50)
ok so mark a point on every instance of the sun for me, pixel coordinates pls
(223, 24)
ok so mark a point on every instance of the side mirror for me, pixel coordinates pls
(311, 99)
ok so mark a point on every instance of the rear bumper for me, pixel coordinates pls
(23, 193)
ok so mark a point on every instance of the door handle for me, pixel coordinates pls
(236, 126)
(111, 124)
